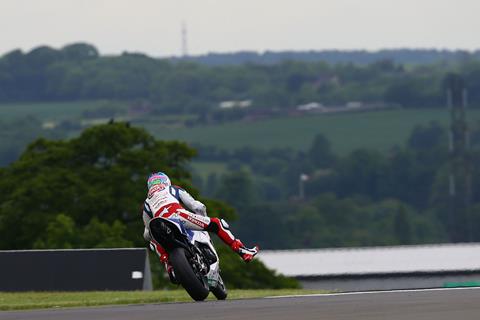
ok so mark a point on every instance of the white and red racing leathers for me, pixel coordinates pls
(172, 202)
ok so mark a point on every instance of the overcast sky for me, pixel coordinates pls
(154, 26)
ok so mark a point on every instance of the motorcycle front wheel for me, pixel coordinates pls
(194, 283)
(219, 291)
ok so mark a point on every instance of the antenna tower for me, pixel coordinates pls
(184, 40)
(460, 180)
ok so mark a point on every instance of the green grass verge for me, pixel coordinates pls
(464, 284)
(41, 300)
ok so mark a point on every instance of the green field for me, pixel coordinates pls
(50, 111)
(378, 130)
(39, 300)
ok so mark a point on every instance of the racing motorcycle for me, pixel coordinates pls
(193, 257)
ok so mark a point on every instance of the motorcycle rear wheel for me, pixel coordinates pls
(195, 284)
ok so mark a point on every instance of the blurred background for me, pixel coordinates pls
(308, 124)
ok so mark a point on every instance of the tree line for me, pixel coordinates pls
(365, 198)
(78, 72)
(401, 56)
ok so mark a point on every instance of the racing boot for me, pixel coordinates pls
(245, 253)
(222, 229)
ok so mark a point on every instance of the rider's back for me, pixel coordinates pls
(162, 200)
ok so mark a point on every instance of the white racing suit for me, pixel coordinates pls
(173, 201)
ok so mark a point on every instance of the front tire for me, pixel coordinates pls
(195, 285)
(220, 291)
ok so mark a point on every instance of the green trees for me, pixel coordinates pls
(99, 175)
(75, 183)
(364, 198)
(62, 232)
(80, 52)
(237, 189)
(16, 134)
(330, 221)
(77, 71)
(88, 192)
(320, 152)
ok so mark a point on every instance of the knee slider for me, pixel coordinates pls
(224, 224)
(214, 225)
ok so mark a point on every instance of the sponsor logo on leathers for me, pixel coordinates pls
(195, 221)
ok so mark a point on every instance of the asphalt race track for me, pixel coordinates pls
(442, 304)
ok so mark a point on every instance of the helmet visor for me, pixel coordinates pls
(158, 179)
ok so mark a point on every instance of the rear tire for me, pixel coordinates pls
(196, 286)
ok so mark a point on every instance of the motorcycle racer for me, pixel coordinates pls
(166, 200)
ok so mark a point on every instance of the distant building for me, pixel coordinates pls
(311, 106)
(380, 268)
(354, 104)
(49, 125)
(231, 104)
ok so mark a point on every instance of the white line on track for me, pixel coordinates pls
(369, 292)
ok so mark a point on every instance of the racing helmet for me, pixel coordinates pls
(159, 179)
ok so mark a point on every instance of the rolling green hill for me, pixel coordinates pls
(51, 111)
(378, 130)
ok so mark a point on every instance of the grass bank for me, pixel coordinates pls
(42, 300)
(379, 130)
